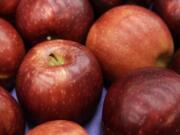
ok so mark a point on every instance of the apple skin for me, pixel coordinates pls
(64, 80)
(169, 10)
(11, 53)
(103, 5)
(146, 102)
(12, 122)
(129, 37)
(58, 127)
(37, 20)
(8, 7)
(176, 61)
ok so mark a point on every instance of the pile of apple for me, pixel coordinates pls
(57, 54)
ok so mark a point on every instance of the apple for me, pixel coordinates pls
(8, 7)
(176, 61)
(11, 53)
(46, 19)
(129, 37)
(2, 132)
(11, 118)
(170, 12)
(58, 127)
(103, 5)
(145, 102)
(59, 79)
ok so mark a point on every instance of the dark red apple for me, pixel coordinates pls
(58, 127)
(8, 7)
(66, 19)
(176, 62)
(59, 79)
(11, 52)
(11, 120)
(146, 102)
(170, 12)
(103, 5)
(129, 37)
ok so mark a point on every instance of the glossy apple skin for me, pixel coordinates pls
(58, 127)
(11, 53)
(103, 5)
(146, 102)
(69, 91)
(11, 118)
(8, 7)
(129, 37)
(169, 10)
(176, 61)
(63, 19)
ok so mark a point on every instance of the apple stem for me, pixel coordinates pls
(49, 38)
(54, 60)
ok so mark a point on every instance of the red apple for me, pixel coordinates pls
(103, 5)
(8, 7)
(11, 53)
(58, 127)
(66, 19)
(129, 37)
(176, 62)
(146, 102)
(2, 132)
(11, 119)
(59, 79)
(170, 12)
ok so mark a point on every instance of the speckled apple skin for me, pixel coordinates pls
(169, 10)
(11, 119)
(69, 91)
(146, 102)
(65, 19)
(8, 7)
(58, 127)
(176, 61)
(129, 37)
(12, 51)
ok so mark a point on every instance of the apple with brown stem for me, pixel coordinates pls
(45, 19)
(59, 79)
